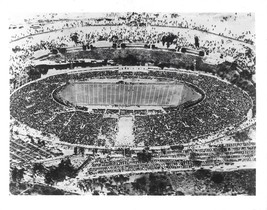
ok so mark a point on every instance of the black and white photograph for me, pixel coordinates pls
(134, 104)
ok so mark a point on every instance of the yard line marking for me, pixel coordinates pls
(149, 94)
(110, 93)
(103, 95)
(121, 93)
(117, 95)
(84, 96)
(142, 92)
(153, 94)
(86, 93)
(80, 95)
(181, 92)
(170, 95)
(96, 94)
(113, 94)
(166, 95)
(145, 94)
(107, 88)
(124, 93)
(99, 94)
(173, 90)
(104, 101)
(107, 94)
(132, 94)
(93, 94)
(123, 98)
(76, 97)
(138, 90)
(81, 92)
(135, 102)
(157, 103)
(89, 95)
(128, 94)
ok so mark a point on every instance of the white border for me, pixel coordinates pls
(13, 7)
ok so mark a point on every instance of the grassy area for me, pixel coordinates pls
(206, 182)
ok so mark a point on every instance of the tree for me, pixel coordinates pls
(94, 151)
(217, 178)
(59, 173)
(192, 67)
(82, 151)
(158, 184)
(20, 174)
(179, 193)
(34, 73)
(43, 143)
(144, 156)
(75, 150)
(241, 136)
(49, 179)
(192, 156)
(38, 168)
(111, 193)
(62, 50)
(128, 152)
(169, 39)
(140, 184)
(54, 51)
(197, 163)
(74, 37)
(14, 173)
(221, 149)
(84, 47)
(164, 151)
(17, 174)
(120, 178)
(202, 174)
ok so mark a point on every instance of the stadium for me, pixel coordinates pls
(114, 99)
(176, 99)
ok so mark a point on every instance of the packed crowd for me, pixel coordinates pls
(224, 105)
(195, 121)
(43, 113)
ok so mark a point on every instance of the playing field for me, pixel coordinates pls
(134, 94)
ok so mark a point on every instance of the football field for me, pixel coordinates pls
(130, 94)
